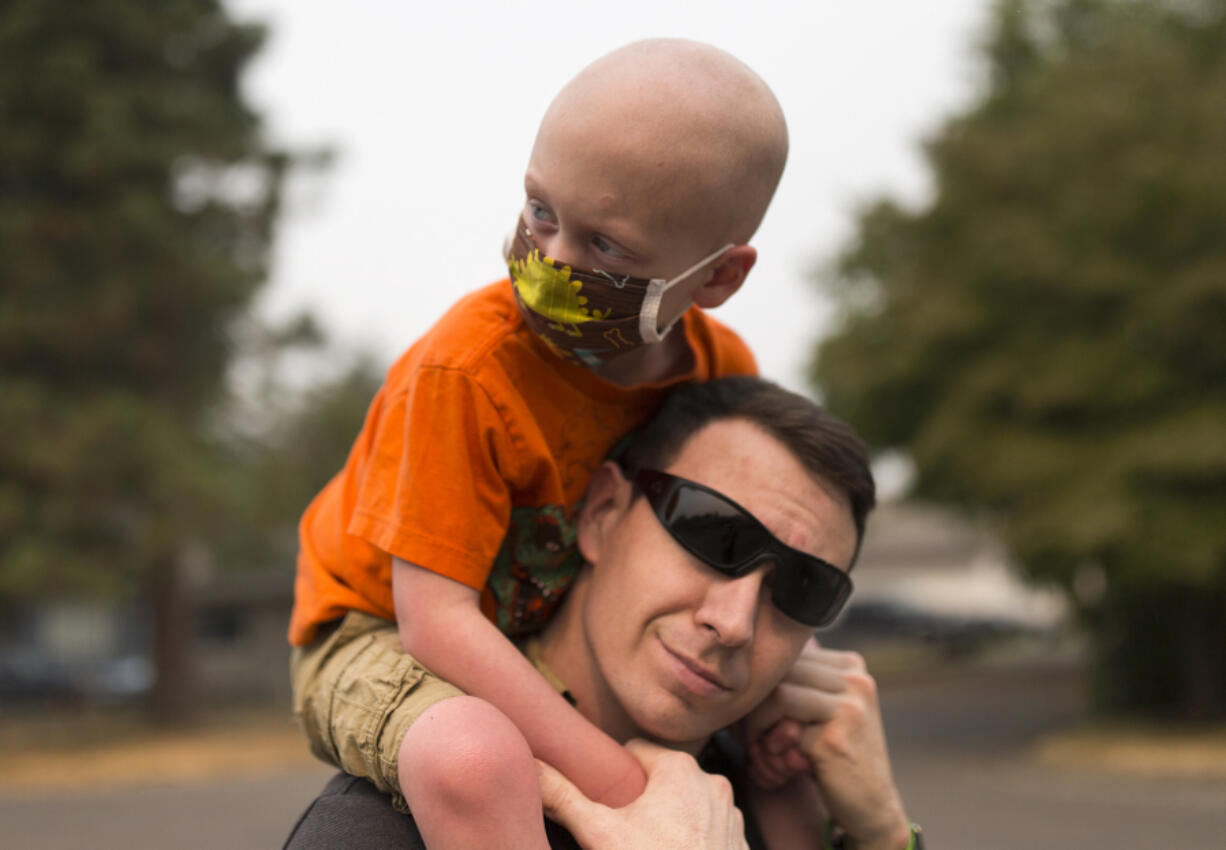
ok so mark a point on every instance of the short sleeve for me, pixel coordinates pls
(435, 492)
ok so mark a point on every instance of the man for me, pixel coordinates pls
(712, 549)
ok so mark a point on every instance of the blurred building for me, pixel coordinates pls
(99, 651)
(934, 574)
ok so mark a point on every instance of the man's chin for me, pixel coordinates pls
(686, 744)
(679, 727)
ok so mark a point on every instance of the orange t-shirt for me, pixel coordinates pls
(471, 461)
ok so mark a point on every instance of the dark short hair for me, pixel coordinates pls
(826, 446)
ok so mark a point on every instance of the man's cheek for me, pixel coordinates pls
(772, 668)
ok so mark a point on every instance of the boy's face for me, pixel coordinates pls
(597, 199)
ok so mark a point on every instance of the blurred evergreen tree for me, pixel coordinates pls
(299, 440)
(1047, 337)
(137, 204)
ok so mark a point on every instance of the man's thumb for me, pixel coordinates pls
(562, 801)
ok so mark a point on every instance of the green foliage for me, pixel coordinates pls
(277, 468)
(137, 199)
(1048, 336)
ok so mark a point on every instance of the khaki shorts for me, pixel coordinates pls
(356, 693)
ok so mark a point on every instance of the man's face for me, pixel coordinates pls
(678, 649)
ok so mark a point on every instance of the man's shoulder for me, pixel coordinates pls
(351, 812)
(354, 809)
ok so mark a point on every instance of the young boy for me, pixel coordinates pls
(453, 515)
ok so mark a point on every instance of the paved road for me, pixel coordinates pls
(247, 814)
(959, 747)
(956, 739)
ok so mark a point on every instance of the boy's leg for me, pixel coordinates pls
(358, 696)
(470, 779)
(356, 693)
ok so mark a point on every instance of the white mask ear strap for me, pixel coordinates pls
(649, 328)
(649, 315)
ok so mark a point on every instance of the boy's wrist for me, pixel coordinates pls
(625, 789)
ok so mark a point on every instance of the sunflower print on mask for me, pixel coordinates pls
(550, 291)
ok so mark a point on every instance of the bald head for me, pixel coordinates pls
(685, 123)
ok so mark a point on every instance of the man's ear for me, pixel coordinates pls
(608, 496)
(727, 276)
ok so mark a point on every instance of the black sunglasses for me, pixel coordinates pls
(730, 540)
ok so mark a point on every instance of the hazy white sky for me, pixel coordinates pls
(432, 108)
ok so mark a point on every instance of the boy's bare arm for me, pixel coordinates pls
(441, 625)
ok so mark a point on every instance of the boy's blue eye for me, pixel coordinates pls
(605, 246)
(538, 211)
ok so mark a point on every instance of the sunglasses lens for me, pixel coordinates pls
(713, 529)
(810, 594)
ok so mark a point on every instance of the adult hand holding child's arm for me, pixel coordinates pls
(682, 808)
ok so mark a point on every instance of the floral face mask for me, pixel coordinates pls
(587, 317)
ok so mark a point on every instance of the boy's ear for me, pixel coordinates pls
(608, 497)
(727, 276)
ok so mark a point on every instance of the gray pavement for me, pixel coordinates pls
(958, 740)
(243, 814)
(960, 745)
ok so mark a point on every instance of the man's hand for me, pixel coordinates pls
(682, 808)
(825, 713)
(775, 757)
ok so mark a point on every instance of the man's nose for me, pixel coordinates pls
(730, 607)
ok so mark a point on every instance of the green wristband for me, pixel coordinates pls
(834, 838)
(832, 833)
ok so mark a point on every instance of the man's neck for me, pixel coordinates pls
(564, 649)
